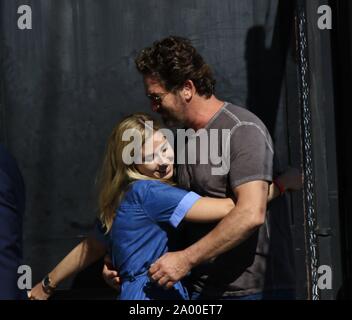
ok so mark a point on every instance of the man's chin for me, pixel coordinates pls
(171, 122)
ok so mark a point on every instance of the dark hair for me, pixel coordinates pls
(173, 61)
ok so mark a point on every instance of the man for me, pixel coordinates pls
(12, 206)
(234, 259)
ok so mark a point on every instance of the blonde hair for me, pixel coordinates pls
(116, 175)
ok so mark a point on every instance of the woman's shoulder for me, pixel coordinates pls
(144, 185)
(140, 188)
(139, 191)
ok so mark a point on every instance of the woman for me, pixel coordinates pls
(138, 204)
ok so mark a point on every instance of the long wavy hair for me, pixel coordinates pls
(115, 175)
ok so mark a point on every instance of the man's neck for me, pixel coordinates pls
(202, 110)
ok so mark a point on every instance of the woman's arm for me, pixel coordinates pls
(212, 209)
(274, 192)
(209, 210)
(84, 254)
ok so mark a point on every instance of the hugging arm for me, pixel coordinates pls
(246, 217)
(213, 209)
(209, 210)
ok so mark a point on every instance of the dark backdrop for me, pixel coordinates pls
(66, 83)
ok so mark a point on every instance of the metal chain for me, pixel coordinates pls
(307, 152)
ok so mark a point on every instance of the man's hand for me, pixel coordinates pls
(170, 268)
(110, 275)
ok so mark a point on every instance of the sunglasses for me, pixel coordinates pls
(156, 99)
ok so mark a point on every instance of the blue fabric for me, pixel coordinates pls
(139, 236)
(99, 233)
(183, 207)
(12, 206)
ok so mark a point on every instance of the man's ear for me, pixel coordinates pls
(189, 90)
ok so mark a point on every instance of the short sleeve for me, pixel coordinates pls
(251, 155)
(99, 233)
(166, 203)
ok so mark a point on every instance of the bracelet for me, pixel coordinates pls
(47, 285)
(281, 188)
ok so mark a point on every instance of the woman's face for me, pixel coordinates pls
(158, 158)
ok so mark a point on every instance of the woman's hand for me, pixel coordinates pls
(291, 179)
(110, 275)
(38, 293)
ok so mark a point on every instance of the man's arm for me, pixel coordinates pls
(237, 226)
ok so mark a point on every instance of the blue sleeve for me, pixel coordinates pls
(10, 239)
(99, 233)
(165, 203)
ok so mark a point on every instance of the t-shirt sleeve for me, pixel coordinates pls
(99, 233)
(166, 203)
(251, 155)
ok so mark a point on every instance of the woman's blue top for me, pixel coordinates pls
(140, 235)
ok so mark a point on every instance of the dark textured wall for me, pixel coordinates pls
(68, 81)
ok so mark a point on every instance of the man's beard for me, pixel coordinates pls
(171, 121)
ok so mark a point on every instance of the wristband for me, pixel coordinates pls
(48, 286)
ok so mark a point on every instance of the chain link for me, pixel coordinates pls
(309, 201)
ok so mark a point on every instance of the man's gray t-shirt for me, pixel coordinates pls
(246, 269)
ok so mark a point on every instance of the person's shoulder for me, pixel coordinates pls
(232, 116)
(141, 187)
(145, 184)
(241, 115)
(142, 191)
(247, 126)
